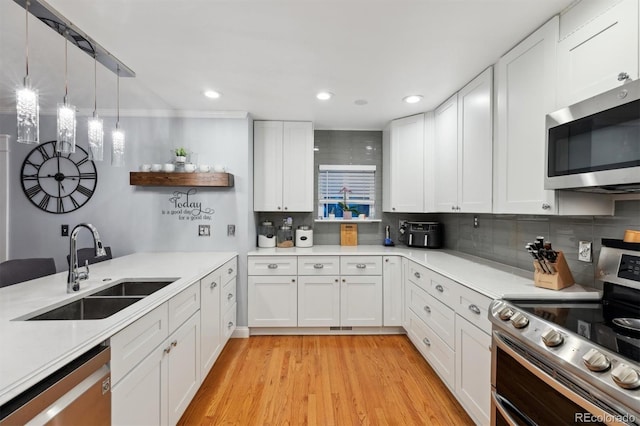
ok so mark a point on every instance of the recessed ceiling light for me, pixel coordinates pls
(324, 96)
(412, 99)
(212, 94)
(360, 102)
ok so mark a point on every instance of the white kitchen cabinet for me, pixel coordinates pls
(319, 301)
(210, 331)
(161, 387)
(591, 57)
(283, 166)
(526, 91)
(403, 165)
(361, 301)
(273, 301)
(392, 290)
(463, 149)
(473, 370)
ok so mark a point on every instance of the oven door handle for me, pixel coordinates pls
(501, 404)
(500, 339)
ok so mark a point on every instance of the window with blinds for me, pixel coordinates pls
(356, 182)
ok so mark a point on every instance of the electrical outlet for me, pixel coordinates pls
(476, 224)
(204, 230)
(231, 230)
(64, 230)
(584, 251)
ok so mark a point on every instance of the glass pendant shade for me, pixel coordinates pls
(117, 147)
(28, 113)
(66, 142)
(96, 138)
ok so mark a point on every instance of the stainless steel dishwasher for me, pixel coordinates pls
(77, 394)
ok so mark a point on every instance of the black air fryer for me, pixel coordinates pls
(424, 234)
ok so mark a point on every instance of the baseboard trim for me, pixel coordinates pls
(240, 333)
(320, 331)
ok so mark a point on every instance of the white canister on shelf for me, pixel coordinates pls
(304, 236)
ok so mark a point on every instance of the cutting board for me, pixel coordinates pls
(348, 234)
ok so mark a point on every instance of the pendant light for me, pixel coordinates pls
(66, 143)
(94, 124)
(27, 105)
(117, 136)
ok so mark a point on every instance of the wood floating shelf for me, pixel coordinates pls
(224, 180)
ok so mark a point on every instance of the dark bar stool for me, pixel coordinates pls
(19, 270)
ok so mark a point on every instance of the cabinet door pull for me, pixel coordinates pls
(440, 288)
(230, 271)
(473, 308)
(427, 309)
(230, 324)
(546, 206)
(318, 266)
(426, 341)
(361, 266)
(167, 350)
(174, 343)
(214, 284)
(273, 266)
(623, 76)
(416, 274)
(229, 296)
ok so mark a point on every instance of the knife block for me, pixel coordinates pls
(562, 278)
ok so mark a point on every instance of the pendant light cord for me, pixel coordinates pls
(118, 99)
(95, 84)
(26, 46)
(66, 62)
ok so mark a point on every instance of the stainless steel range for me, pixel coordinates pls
(568, 363)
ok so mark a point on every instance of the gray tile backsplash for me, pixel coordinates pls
(499, 238)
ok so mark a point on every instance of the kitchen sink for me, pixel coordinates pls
(133, 288)
(103, 303)
(88, 308)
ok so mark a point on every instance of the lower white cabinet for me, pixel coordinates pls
(162, 386)
(392, 291)
(473, 370)
(361, 301)
(319, 301)
(210, 329)
(273, 301)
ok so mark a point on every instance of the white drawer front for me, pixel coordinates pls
(444, 289)
(419, 275)
(273, 265)
(228, 295)
(229, 270)
(361, 265)
(134, 343)
(318, 265)
(434, 313)
(475, 308)
(436, 352)
(183, 305)
(229, 324)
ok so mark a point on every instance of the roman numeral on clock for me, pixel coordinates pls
(60, 207)
(44, 202)
(33, 191)
(84, 191)
(43, 151)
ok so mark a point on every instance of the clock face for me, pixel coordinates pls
(58, 183)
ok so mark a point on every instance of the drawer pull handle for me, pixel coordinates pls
(427, 309)
(426, 341)
(229, 296)
(416, 274)
(230, 324)
(174, 343)
(167, 350)
(273, 266)
(474, 309)
(440, 288)
(214, 284)
(230, 271)
(361, 266)
(318, 266)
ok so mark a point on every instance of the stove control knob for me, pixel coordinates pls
(625, 376)
(552, 338)
(519, 321)
(505, 313)
(596, 360)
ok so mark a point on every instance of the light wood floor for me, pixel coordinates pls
(323, 380)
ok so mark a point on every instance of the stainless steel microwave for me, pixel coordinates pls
(594, 145)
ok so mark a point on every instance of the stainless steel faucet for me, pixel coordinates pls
(75, 276)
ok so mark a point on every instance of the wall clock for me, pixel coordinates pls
(58, 183)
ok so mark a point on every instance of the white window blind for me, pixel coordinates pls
(357, 180)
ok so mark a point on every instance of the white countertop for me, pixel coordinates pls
(31, 350)
(475, 273)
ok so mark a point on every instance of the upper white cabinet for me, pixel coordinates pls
(403, 149)
(526, 91)
(463, 149)
(592, 55)
(283, 166)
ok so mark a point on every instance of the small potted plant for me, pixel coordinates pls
(347, 212)
(181, 155)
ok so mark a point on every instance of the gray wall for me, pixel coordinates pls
(130, 218)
